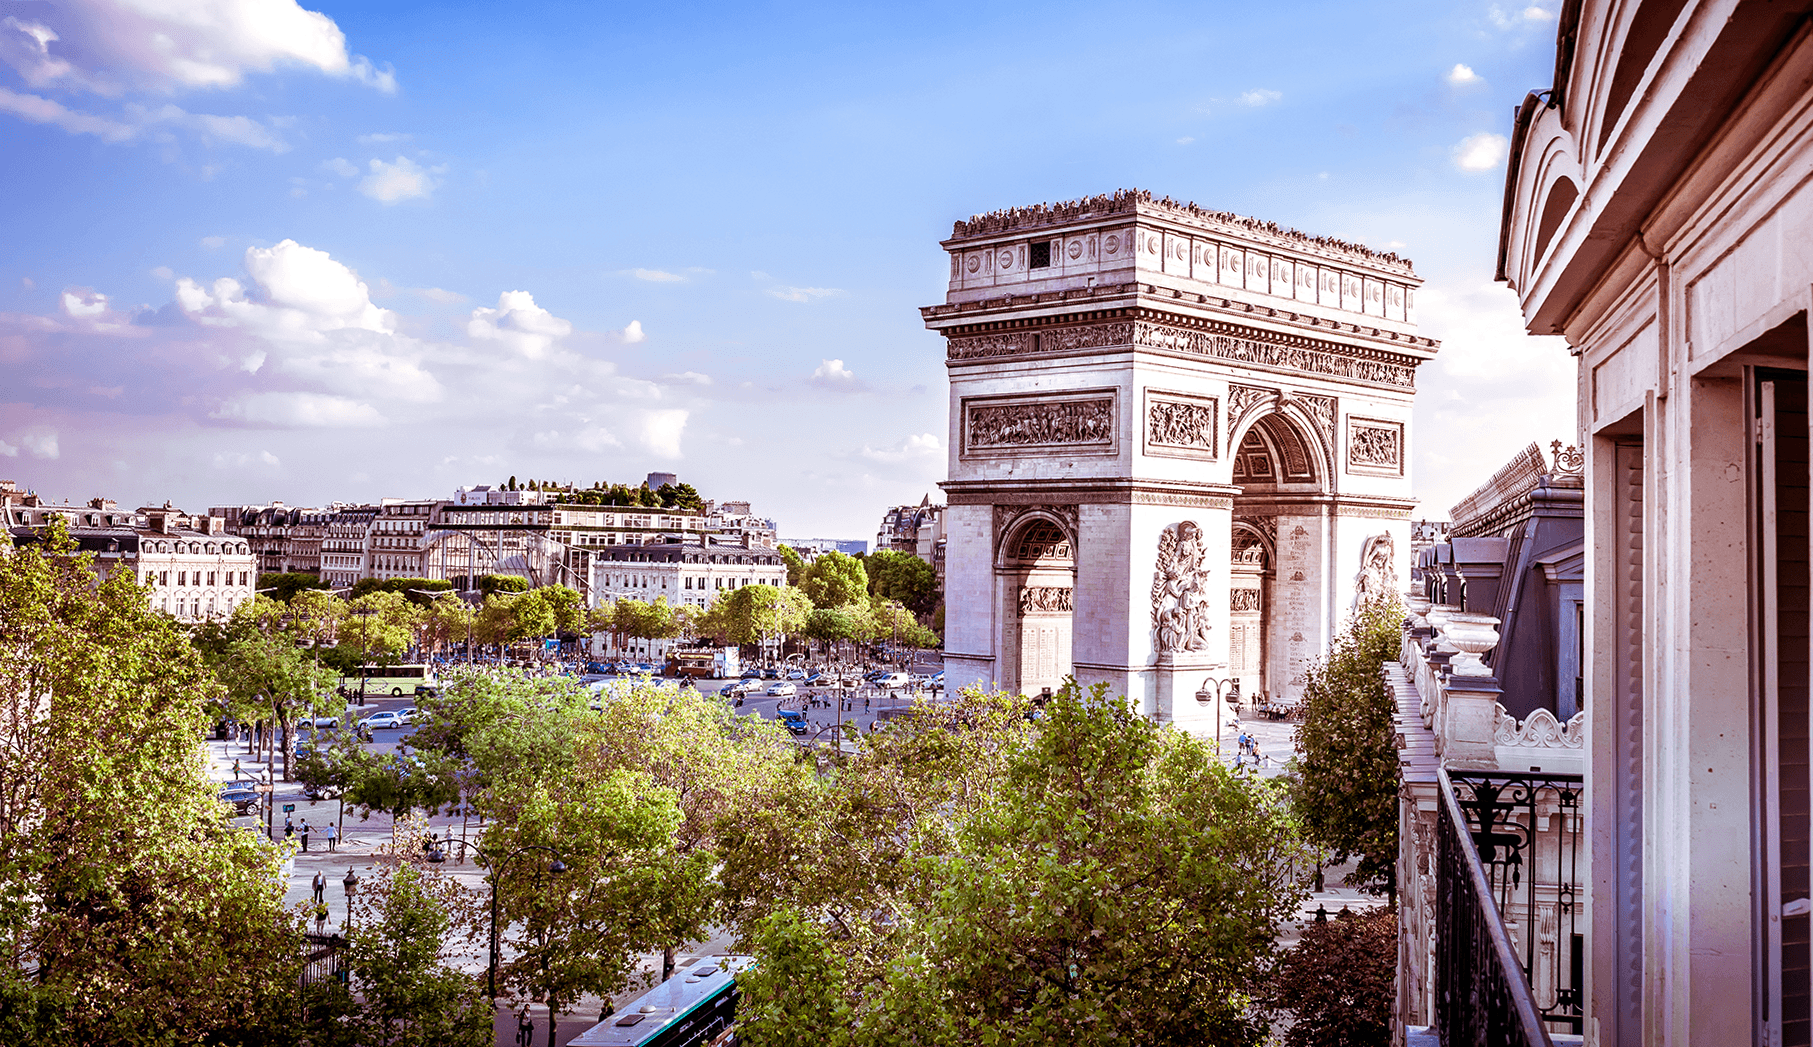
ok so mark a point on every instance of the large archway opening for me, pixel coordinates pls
(1277, 590)
(1036, 580)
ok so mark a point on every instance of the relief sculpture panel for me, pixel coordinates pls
(1375, 446)
(1182, 426)
(1079, 424)
(1048, 598)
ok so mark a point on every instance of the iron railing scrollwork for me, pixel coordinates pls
(323, 959)
(1483, 997)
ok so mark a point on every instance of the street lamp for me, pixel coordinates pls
(351, 883)
(556, 867)
(1214, 698)
(365, 615)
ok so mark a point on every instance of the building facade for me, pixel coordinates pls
(687, 573)
(1658, 212)
(345, 541)
(398, 539)
(1177, 447)
(284, 539)
(196, 571)
(917, 530)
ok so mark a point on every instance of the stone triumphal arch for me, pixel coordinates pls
(1178, 447)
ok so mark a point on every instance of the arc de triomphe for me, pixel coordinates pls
(1178, 447)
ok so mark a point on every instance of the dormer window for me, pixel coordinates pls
(1040, 256)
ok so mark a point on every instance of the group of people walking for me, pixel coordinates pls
(331, 833)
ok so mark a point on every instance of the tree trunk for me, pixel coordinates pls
(667, 963)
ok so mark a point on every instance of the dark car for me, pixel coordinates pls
(244, 801)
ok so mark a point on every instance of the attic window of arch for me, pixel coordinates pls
(1040, 256)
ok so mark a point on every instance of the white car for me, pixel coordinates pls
(782, 688)
(407, 715)
(379, 721)
(894, 680)
(319, 722)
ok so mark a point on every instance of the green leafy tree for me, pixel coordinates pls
(396, 783)
(889, 620)
(448, 620)
(903, 578)
(835, 580)
(141, 913)
(1336, 986)
(409, 926)
(268, 677)
(284, 587)
(1346, 783)
(754, 613)
(796, 564)
(1096, 874)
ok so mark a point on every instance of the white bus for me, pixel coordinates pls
(394, 680)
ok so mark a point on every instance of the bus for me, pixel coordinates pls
(694, 1008)
(703, 663)
(394, 680)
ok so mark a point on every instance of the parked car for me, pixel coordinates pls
(328, 722)
(379, 721)
(796, 674)
(407, 714)
(893, 680)
(752, 673)
(783, 688)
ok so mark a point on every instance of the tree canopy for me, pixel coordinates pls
(835, 580)
(1346, 785)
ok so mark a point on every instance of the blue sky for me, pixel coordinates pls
(257, 250)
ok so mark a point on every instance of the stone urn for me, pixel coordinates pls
(1472, 636)
(1418, 605)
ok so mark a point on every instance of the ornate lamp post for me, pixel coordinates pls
(556, 867)
(351, 883)
(1213, 698)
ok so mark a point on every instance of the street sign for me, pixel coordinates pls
(289, 808)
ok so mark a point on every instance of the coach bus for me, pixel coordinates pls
(394, 680)
(695, 1008)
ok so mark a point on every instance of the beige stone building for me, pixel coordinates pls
(1659, 216)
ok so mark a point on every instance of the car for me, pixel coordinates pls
(771, 674)
(407, 714)
(796, 674)
(893, 680)
(793, 720)
(318, 722)
(380, 721)
(244, 801)
(814, 678)
(874, 675)
(783, 688)
(752, 673)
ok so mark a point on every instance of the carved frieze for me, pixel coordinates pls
(1321, 410)
(1375, 446)
(1180, 597)
(1172, 338)
(1075, 424)
(1242, 401)
(1046, 598)
(1243, 599)
(1182, 426)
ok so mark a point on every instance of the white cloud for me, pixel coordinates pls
(688, 377)
(109, 47)
(1519, 16)
(526, 328)
(298, 410)
(440, 296)
(1462, 74)
(1481, 152)
(657, 276)
(661, 431)
(8, 450)
(237, 460)
(1259, 96)
(45, 111)
(1186, 140)
(833, 371)
(40, 444)
(924, 445)
(213, 243)
(632, 333)
(386, 136)
(82, 303)
(164, 272)
(341, 166)
(804, 294)
(402, 180)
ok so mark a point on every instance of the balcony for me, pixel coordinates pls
(1509, 948)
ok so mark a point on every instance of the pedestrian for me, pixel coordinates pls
(289, 827)
(525, 1029)
(305, 834)
(320, 885)
(235, 768)
(333, 836)
(320, 917)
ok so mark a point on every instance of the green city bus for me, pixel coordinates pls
(394, 680)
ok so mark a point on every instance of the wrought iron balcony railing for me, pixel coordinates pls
(1509, 955)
